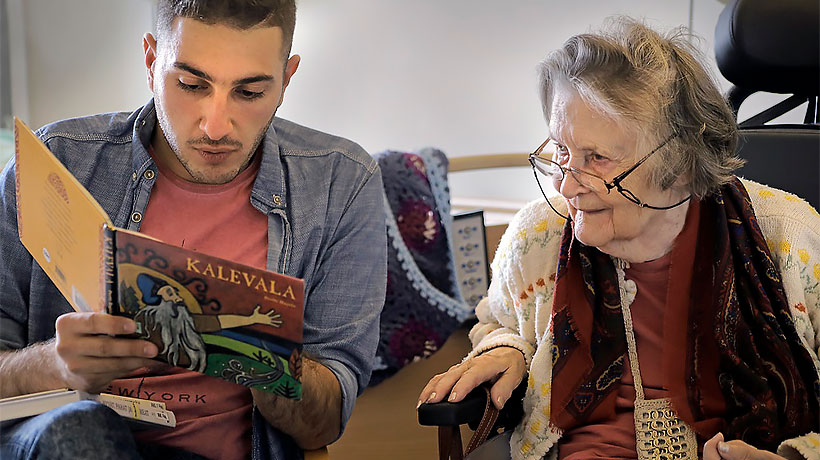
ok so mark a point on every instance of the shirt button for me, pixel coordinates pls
(136, 217)
(277, 199)
(148, 174)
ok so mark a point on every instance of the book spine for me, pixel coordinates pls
(107, 274)
(17, 177)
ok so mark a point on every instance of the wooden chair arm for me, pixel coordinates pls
(498, 160)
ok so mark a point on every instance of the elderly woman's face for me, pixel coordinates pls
(603, 147)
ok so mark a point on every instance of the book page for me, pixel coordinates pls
(61, 224)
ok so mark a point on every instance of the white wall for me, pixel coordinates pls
(85, 56)
(457, 74)
(390, 74)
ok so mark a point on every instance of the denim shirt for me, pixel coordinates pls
(326, 224)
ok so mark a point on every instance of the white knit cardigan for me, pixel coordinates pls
(517, 310)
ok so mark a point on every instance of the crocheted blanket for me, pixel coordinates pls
(423, 305)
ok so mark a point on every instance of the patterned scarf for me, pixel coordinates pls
(738, 329)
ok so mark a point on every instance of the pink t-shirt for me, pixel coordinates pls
(213, 416)
(615, 438)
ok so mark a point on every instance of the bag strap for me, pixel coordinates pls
(486, 424)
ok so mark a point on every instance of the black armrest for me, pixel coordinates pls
(469, 409)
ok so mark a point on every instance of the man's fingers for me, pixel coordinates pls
(94, 374)
(90, 365)
(102, 346)
(113, 367)
(94, 323)
(89, 353)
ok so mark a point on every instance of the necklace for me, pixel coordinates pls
(659, 432)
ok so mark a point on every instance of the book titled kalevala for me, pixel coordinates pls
(207, 314)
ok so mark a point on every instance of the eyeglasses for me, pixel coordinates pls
(555, 172)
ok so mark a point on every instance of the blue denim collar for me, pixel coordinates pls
(143, 126)
(269, 188)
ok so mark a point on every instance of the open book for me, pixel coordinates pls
(204, 313)
(139, 413)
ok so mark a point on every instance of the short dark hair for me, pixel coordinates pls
(239, 14)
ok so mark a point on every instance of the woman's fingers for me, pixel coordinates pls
(503, 388)
(504, 362)
(739, 450)
(439, 386)
(477, 372)
(710, 451)
(511, 377)
(717, 449)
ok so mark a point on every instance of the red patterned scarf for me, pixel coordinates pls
(738, 366)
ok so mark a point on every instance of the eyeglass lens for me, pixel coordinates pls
(549, 163)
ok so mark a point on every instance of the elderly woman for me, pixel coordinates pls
(659, 304)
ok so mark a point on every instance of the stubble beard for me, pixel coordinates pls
(199, 176)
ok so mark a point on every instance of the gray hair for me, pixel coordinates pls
(657, 87)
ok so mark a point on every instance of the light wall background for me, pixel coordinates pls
(458, 75)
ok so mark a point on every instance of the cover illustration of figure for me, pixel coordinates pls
(166, 321)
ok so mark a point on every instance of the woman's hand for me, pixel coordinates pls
(717, 449)
(503, 365)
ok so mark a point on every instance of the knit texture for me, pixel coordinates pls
(423, 304)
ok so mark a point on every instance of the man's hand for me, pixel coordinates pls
(88, 355)
(504, 366)
(717, 449)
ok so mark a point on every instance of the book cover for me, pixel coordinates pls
(210, 315)
(60, 224)
(204, 313)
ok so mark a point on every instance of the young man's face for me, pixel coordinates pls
(216, 90)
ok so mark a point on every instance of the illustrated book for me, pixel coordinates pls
(139, 413)
(211, 315)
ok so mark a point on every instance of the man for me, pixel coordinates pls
(237, 183)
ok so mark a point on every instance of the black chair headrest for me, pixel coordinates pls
(772, 46)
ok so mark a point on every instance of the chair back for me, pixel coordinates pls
(774, 47)
(786, 157)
